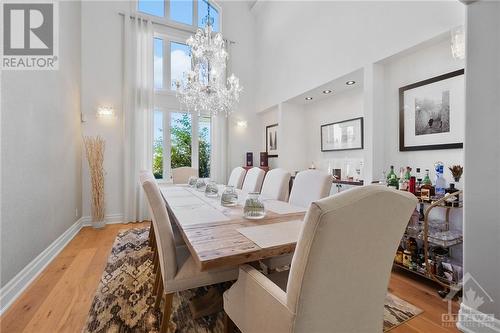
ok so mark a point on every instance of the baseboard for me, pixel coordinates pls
(110, 219)
(469, 321)
(14, 288)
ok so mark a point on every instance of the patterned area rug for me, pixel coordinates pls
(123, 302)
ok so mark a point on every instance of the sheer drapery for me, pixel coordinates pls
(137, 113)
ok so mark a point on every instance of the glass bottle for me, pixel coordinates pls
(408, 173)
(455, 200)
(229, 197)
(440, 184)
(418, 184)
(254, 207)
(391, 173)
(426, 190)
(403, 184)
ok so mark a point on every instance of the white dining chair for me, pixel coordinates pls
(253, 180)
(181, 175)
(178, 270)
(340, 270)
(309, 186)
(276, 185)
(236, 177)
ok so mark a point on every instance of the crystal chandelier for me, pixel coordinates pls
(204, 89)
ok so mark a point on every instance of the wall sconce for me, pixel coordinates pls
(105, 112)
(241, 124)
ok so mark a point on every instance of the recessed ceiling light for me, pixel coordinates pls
(350, 83)
(327, 91)
(308, 98)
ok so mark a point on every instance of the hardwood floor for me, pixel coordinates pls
(60, 298)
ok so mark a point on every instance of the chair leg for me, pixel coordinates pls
(228, 324)
(167, 311)
(159, 295)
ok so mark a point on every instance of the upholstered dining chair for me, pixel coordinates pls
(178, 270)
(309, 186)
(181, 175)
(340, 270)
(276, 185)
(236, 177)
(253, 180)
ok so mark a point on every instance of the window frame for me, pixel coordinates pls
(165, 20)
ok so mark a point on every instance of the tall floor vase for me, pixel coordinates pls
(94, 149)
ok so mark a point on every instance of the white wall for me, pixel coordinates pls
(431, 60)
(303, 44)
(41, 151)
(346, 105)
(482, 154)
(102, 34)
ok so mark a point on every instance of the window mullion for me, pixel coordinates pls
(167, 146)
(194, 142)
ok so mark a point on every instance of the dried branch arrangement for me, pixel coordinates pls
(94, 149)
(456, 171)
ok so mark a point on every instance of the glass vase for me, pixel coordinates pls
(211, 190)
(200, 184)
(254, 207)
(192, 181)
(229, 197)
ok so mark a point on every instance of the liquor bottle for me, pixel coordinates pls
(456, 201)
(402, 181)
(421, 215)
(408, 173)
(411, 184)
(392, 179)
(440, 184)
(418, 184)
(426, 190)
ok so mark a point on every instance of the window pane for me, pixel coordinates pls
(203, 7)
(204, 146)
(158, 145)
(180, 134)
(181, 11)
(180, 62)
(152, 7)
(158, 63)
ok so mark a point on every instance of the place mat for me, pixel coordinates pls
(189, 215)
(275, 234)
(282, 207)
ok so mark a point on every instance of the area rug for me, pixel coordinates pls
(123, 302)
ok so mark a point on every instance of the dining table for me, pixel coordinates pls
(218, 236)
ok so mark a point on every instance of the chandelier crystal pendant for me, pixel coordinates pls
(205, 89)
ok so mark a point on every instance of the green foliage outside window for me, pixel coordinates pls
(181, 147)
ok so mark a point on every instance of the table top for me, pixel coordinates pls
(210, 230)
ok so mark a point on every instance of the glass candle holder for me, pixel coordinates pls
(254, 207)
(229, 197)
(192, 181)
(200, 184)
(212, 190)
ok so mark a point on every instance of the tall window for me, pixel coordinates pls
(179, 138)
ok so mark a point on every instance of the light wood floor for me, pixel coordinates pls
(60, 298)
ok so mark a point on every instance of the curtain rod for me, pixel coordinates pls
(172, 26)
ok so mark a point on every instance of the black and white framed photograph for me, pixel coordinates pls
(272, 140)
(342, 135)
(432, 113)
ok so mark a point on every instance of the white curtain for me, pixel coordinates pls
(137, 113)
(219, 137)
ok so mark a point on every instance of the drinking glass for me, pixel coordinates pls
(229, 197)
(254, 207)
(212, 190)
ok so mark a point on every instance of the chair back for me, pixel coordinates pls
(181, 175)
(236, 177)
(276, 185)
(163, 230)
(309, 186)
(253, 180)
(342, 263)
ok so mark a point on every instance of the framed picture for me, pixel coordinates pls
(272, 140)
(432, 113)
(342, 135)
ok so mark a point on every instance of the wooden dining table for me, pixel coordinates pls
(219, 236)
